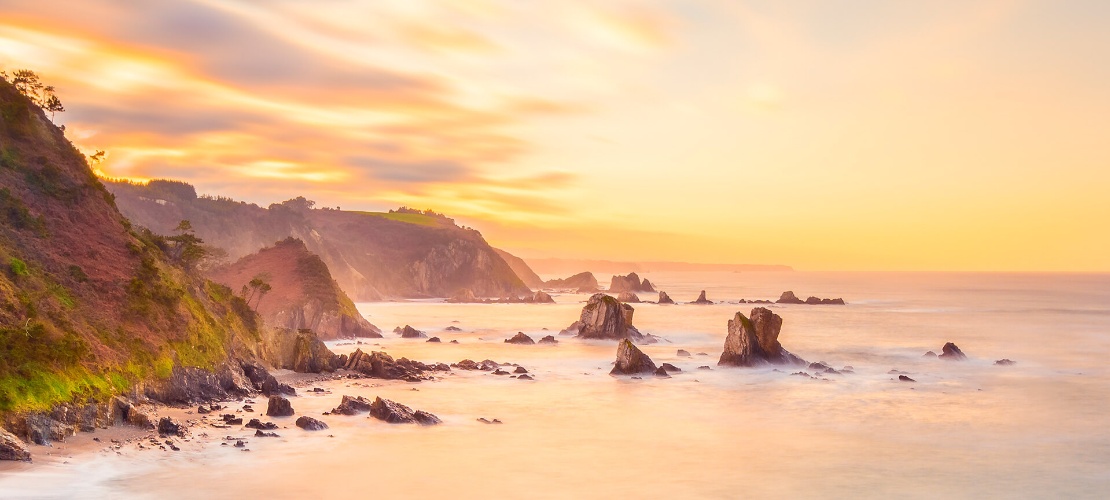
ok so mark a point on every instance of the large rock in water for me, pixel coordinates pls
(464, 296)
(582, 282)
(952, 353)
(542, 298)
(520, 338)
(397, 413)
(604, 317)
(755, 341)
(628, 297)
(702, 300)
(381, 365)
(788, 297)
(352, 406)
(664, 298)
(409, 332)
(12, 448)
(279, 407)
(311, 424)
(630, 283)
(631, 361)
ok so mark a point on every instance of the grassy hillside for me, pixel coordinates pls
(90, 306)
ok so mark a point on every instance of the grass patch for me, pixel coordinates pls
(417, 219)
(18, 267)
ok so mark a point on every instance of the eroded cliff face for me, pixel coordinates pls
(302, 293)
(371, 255)
(521, 268)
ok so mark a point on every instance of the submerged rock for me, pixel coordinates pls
(628, 297)
(669, 368)
(952, 353)
(352, 406)
(310, 424)
(631, 361)
(13, 448)
(521, 339)
(701, 300)
(604, 317)
(752, 342)
(683, 353)
(904, 378)
(279, 407)
(1005, 362)
(929, 354)
(397, 413)
(434, 340)
(664, 298)
(549, 339)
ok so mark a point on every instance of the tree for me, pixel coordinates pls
(188, 250)
(256, 287)
(51, 103)
(29, 84)
(97, 157)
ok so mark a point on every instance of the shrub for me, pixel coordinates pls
(19, 268)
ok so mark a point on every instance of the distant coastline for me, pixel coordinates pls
(569, 266)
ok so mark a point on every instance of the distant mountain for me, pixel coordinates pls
(562, 267)
(521, 269)
(372, 255)
(301, 294)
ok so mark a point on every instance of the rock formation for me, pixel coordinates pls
(683, 353)
(397, 413)
(549, 339)
(310, 424)
(788, 297)
(521, 269)
(664, 298)
(409, 332)
(542, 298)
(755, 341)
(631, 361)
(301, 351)
(381, 365)
(582, 282)
(630, 283)
(464, 296)
(604, 317)
(1005, 362)
(952, 353)
(628, 297)
(279, 407)
(701, 300)
(520, 338)
(352, 406)
(12, 448)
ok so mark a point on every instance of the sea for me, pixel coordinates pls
(1039, 428)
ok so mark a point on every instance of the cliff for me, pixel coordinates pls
(521, 269)
(372, 255)
(302, 293)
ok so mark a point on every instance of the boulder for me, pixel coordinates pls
(1005, 362)
(397, 413)
(952, 353)
(683, 353)
(520, 338)
(520, 369)
(631, 361)
(409, 332)
(669, 368)
(548, 339)
(664, 298)
(755, 341)
(903, 378)
(453, 329)
(279, 407)
(381, 365)
(258, 424)
(464, 296)
(662, 373)
(263, 434)
(310, 424)
(13, 448)
(542, 298)
(628, 297)
(168, 427)
(788, 297)
(702, 300)
(130, 414)
(434, 340)
(929, 354)
(604, 317)
(573, 329)
(352, 406)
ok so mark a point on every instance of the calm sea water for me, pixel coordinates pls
(1038, 429)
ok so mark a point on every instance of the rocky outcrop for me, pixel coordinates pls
(788, 297)
(397, 413)
(604, 317)
(701, 300)
(628, 297)
(548, 339)
(630, 283)
(581, 282)
(664, 298)
(381, 365)
(631, 361)
(755, 341)
(1005, 362)
(464, 296)
(521, 339)
(542, 298)
(409, 332)
(310, 424)
(278, 406)
(12, 448)
(189, 385)
(952, 353)
(352, 406)
(521, 269)
(301, 351)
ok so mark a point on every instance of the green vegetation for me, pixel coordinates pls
(18, 267)
(29, 84)
(409, 218)
(17, 214)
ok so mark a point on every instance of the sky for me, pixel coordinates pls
(824, 135)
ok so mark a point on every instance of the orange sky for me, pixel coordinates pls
(855, 135)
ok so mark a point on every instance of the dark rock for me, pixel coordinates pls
(604, 317)
(683, 353)
(754, 342)
(525, 377)
(789, 298)
(500, 372)
(662, 373)
(630, 283)
(271, 387)
(582, 282)
(646, 286)
(12, 448)
(454, 341)
(263, 434)
(1005, 362)
(904, 378)
(434, 339)
(397, 413)
(520, 338)
(628, 297)
(631, 361)
(168, 427)
(352, 406)
(573, 329)
(548, 339)
(520, 369)
(453, 329)
(310, 424)
(952, 353)
(258, 424)
(409, 332)
(670, 368)
(203, 410)
(464, 296)
(820, 365)
(702, 300)
(664, 298)
(381, 365)
(279, 407)
(188, 385)
(541, 298)
(929, 354)
(703, 367)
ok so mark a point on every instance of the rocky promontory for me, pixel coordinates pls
(788, 297)
(581, 282)
(755, 341)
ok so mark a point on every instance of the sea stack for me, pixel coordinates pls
(664, 298)
(755, 341)
(702, 300)
(628, 297)
(631, 361)
(604, 317)
(630, 283)
(952, 353)
(788, 297)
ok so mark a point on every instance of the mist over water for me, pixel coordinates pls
(970, 429)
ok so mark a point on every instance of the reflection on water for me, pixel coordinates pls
(1036, 429)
